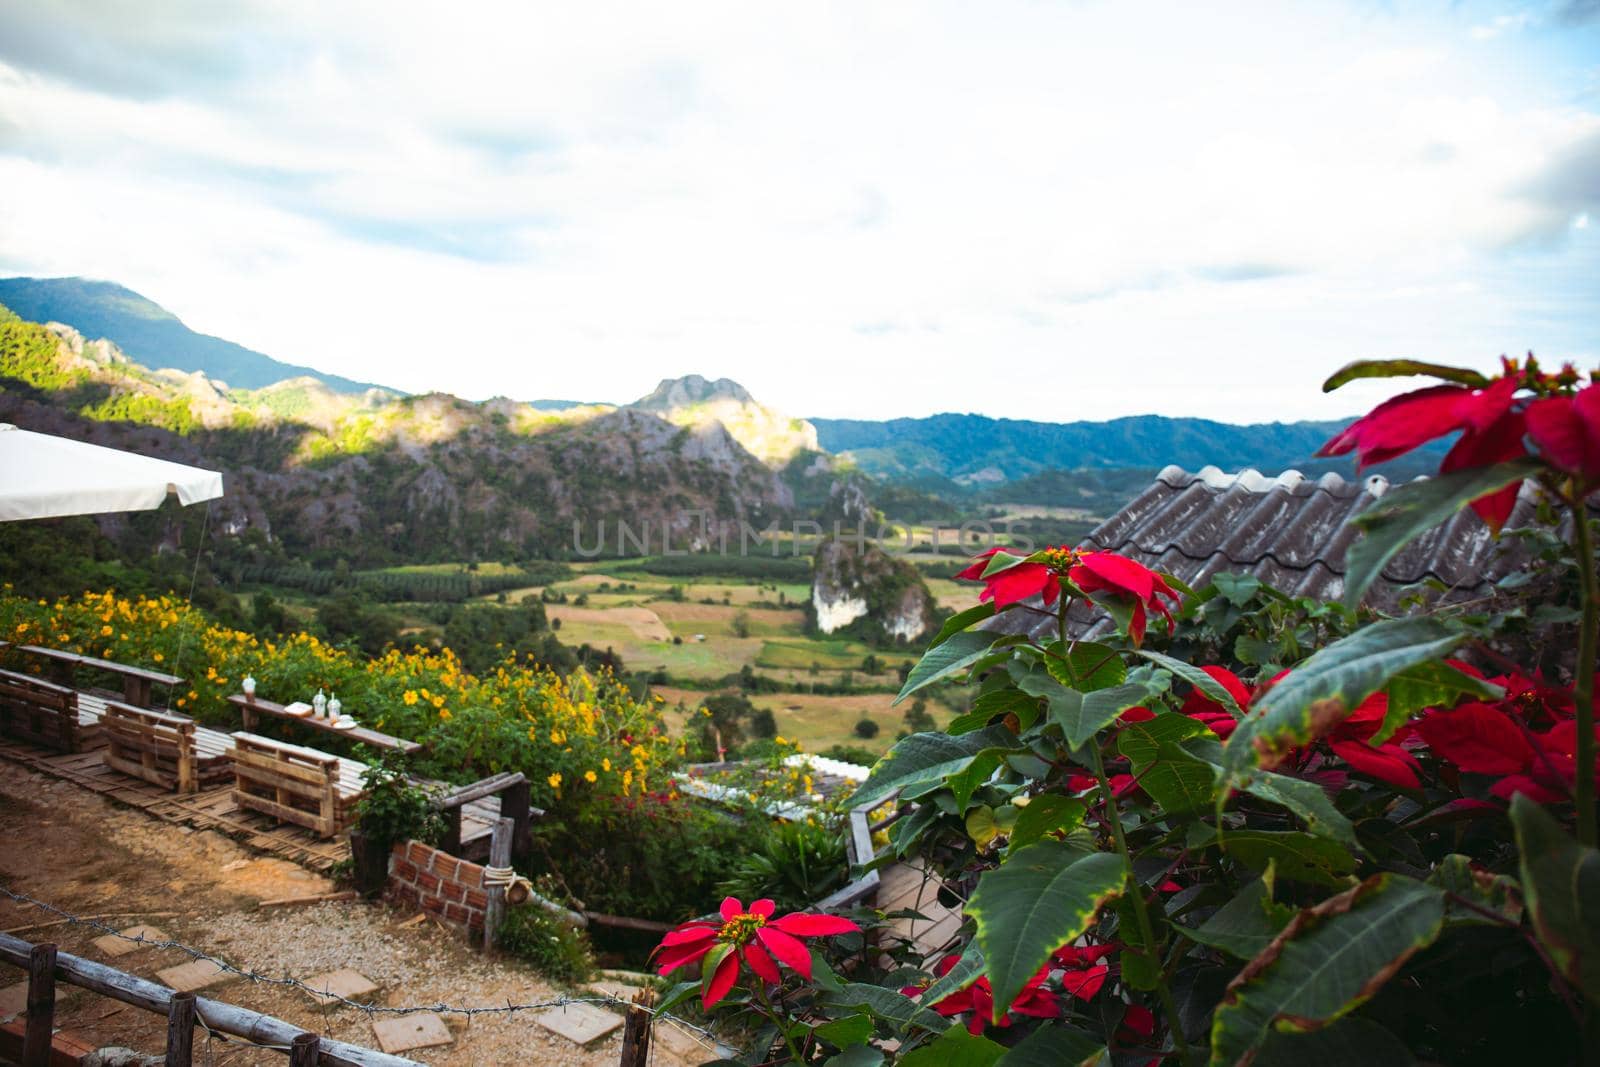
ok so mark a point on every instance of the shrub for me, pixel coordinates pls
(555, 948)
(866, 729)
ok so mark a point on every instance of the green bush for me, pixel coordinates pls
(866, 729)
(796, 865)
(393, 809)
(557, 950)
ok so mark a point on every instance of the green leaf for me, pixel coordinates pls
(923, 758)
(981, 826)
(1086, 666)
(889, 1005)
(1141, 968)
(1561, 883)
(1177, 780)
(1045, 814)
(1497, 893)
(1305, 799)
(1042, 897)
(1053, 1045)
(1007, 701)
(1197, 678)
(1300, 856)
(1428, 685)
(960, 621)
(1321, 692)
(955, 1048)
(1080, 715)
(857, 1056)
(957, 651)
(965, 782)
(1246, 924)
(1330, 960)
(1402, 368)
(1408, 510)
(967, 969)
(1237, 589)
(679, 993)
(708, 967)
(1351, 1040)
(850, 1030)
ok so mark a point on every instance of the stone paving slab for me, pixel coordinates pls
(13, 1001)
(351, 985)
(579, 1023)
(189, 977)
(115, 946)
(406, 1032)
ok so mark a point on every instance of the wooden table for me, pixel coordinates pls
(136, 681)
(250, 707)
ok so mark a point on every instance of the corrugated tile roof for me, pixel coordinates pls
(1292, 532)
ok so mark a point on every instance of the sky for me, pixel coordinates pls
(1029, 209)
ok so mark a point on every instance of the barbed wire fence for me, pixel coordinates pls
(329, 998)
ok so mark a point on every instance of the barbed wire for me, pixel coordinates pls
(326, 996)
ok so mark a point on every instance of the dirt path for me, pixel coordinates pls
(79, 852)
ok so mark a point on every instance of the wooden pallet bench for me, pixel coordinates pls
(295, 784)
(136, 682)
(171, 751)
(32, 709)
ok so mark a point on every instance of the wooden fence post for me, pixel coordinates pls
(499, 856)
(519, 798)
(41, 1006)
(305, 1050)
(636, 1032)
(180, 1030)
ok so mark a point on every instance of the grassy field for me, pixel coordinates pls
(817, 722)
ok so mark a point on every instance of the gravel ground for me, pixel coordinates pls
(76, 850)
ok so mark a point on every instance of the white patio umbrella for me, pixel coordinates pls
(42, 476)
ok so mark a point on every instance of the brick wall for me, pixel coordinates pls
(448, 888)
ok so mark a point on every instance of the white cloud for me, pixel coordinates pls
(855, 210)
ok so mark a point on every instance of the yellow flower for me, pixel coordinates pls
(444, 713)
(590, 777)
(554, 780)
(105, 631)
(410, 696)
(159, 657)
(605, 764)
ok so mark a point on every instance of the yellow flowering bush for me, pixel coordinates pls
(582, 739)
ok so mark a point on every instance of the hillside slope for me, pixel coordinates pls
(150, 334)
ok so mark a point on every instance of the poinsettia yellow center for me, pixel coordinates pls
(1061, 559)
(741, 928)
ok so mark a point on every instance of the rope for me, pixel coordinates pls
(509, 1009)
(194, 576)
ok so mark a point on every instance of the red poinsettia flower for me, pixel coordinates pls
(1016, 583)
(978, 998)
(1090, 571)
(1491, 428)
(1483, 739)
(751, 935)
(1217, 718)
(1409, 420)
(1567, 431)
(1084, 969)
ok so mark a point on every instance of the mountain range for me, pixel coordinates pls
(320, 462)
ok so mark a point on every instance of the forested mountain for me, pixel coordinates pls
(975, 449)
(149, 333)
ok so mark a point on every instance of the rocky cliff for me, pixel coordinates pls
(693, 401)
(863, 590)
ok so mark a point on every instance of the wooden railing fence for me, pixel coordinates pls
(45, 966)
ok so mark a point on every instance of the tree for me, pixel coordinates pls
(866, 729)
(741, 624)
(918, 721)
